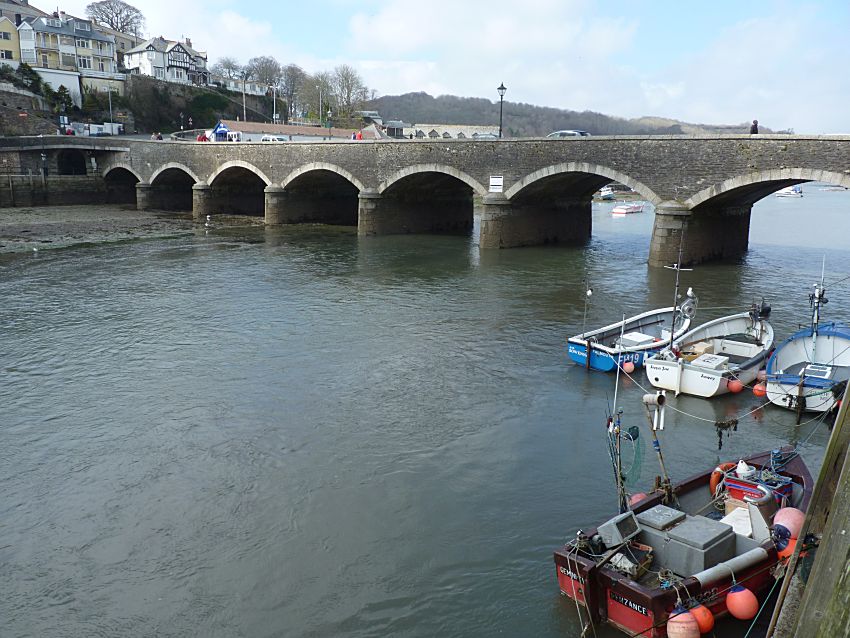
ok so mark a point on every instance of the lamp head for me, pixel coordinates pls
(502, 89)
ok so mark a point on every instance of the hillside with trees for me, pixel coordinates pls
(527, 120)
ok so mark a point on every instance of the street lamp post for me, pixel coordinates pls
(329, 123)
(501, 91)
(274, 102)
(110, 109)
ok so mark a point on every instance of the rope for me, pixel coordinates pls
(763, 605)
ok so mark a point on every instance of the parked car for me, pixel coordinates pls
(273, 138)
(568, 133)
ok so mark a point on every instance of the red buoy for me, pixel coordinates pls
(734, 385)
(760, 389)
(742, 603)
(628, 367)
(786, 551)
(705, 619)
(637, 498)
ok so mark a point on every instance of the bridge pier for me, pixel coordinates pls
(710, 233)
(274, 207)
(202, 201)
(413, 213)
(144, 194)
(507, 224)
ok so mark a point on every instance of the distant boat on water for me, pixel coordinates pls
(791, 191)
(606, 193)
(626, 208)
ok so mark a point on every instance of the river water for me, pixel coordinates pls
(295, 432)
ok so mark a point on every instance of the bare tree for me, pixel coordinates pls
(266, 70)
(292, 77)
(228, 68)
(349, 88)
(117, 15)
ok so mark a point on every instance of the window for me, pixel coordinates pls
(5, 55)
(158, 72)
(101, 66)
(44, 59)
(84, 62)
(53, 23)
(82, 26)
(69, 60)
(151, 55)
(83, 44)
(5, 35)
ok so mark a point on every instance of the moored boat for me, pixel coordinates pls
(633, 339)
(633, 571)
(790, 191)
(606, 193)
(717, 357)
(626, 208)
(809, 370)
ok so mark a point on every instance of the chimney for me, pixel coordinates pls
(18, 19)
(188, 42)
(62, 15)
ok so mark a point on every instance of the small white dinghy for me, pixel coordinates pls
(716, 357)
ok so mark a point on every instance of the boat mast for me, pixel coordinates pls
(678, 268)
(816, 299)
(614, 430)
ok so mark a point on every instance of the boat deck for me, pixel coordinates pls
(838, 373)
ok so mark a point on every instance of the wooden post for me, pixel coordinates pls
(825, 606)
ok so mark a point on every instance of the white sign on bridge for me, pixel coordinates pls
(496, 182)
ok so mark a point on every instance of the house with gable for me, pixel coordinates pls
(168, 60)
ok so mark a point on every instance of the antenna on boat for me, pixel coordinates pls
(656, 422)
(678, 268)
(816, 299)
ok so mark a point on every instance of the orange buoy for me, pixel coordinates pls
(786, 551)
(637, 498)
(760, 389)
(628, 367)
(742, 603)
(761, 375)
(682, 624)
(705, 619)
(734, 385)
(718, 474)
(791, 519)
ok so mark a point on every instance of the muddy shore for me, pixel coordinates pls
(42, 228)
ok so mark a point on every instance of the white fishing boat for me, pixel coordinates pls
(790, 191)
(809, 370)
(627, 208)
(607, 193)
(716, 357)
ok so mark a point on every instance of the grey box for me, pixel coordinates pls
(660, 517)
(698, 543)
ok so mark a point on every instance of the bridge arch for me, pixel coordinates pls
(120, 181)
(583, 167)
(238, 164)
(122, 165)
(237, 188)
(473, 183)
(322, 166)
(751, 187)
(175, 166)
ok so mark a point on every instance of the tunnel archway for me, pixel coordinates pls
(121, 186)
(238, 188)
(71, 161)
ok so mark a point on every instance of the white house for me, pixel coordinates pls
(168, 60)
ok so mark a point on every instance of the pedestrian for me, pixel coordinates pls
(754, 127)
(359, 135)
(354, 135)
(153, 135)
(159, 136)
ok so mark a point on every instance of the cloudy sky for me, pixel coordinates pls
(714, 62)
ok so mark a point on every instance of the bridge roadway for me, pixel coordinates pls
(702, 186)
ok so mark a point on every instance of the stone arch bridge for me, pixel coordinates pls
(703, 188)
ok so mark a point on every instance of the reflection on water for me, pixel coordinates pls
(263, 432)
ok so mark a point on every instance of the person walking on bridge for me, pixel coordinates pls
(754, 127)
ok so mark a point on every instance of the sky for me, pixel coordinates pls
(699, 61)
